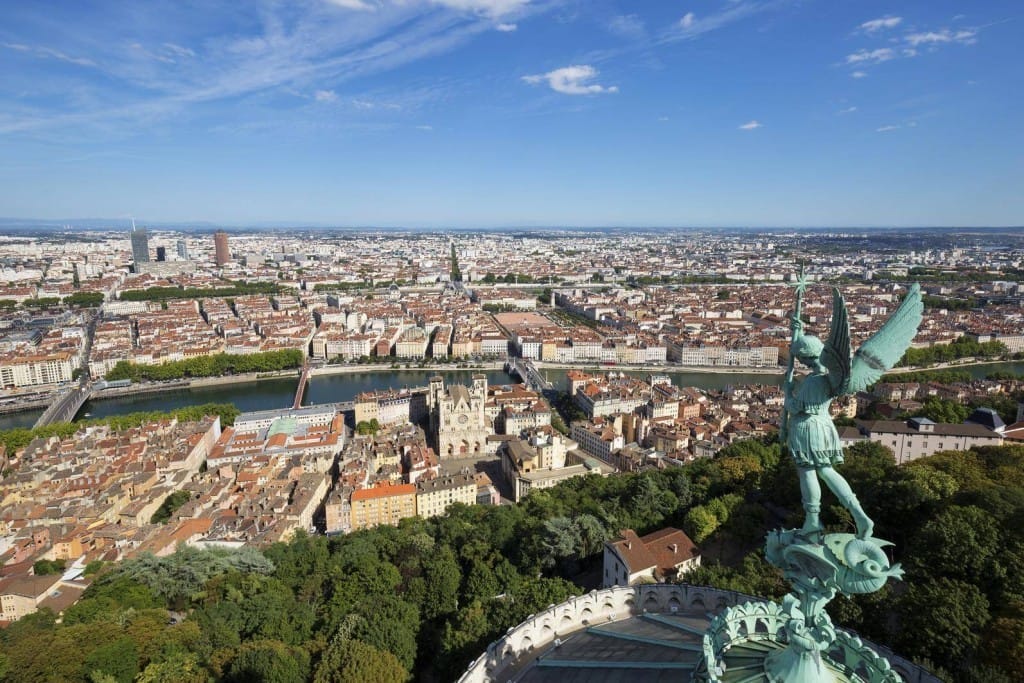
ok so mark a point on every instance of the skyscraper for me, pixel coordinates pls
(161, 253)
(182, 250)
(140, 245)
(222, 253)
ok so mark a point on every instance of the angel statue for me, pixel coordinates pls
(807, 428)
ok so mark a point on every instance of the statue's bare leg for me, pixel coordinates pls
(810, 492)
(839, 486)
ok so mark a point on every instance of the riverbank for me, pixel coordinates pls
(662, 369)
(389, 367)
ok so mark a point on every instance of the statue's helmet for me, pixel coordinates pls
(807, 346)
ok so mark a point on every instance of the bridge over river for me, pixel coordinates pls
(65, 406)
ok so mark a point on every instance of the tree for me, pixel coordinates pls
(959, 543)
(943, 410)
(941, 620)
(44, 567)
(118, 660)
(442, 577)
(269, 661)
(365, 428)
(353, 661)
(170, 506)
(177, 667)
(391, 624)
(456, 273)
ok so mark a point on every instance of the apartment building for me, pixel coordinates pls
(435, 495)
(384, 503)
(919, 437)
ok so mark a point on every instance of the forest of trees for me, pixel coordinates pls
(420, 601)
(209, 366)
(232, 288)
(962, 347)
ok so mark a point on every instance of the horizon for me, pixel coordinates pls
(489, 114)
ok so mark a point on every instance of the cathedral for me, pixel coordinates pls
(457, 417)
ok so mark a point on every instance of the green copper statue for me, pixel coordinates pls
(816, 564)
(807, 428)
(801, 643)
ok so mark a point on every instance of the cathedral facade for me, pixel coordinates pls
(457, 417)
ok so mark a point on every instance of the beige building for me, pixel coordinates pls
(31, 371)
(919, 437)
(435, 496)
(541, 461)
(658, 557)
(391, 406)
(22, 595)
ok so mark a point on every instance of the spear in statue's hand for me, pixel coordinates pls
(796, 325)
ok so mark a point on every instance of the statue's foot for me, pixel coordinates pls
(811, 532)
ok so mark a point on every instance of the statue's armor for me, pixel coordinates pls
(813, 440)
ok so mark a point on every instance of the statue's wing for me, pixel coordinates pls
(836, 354)
(887, 346)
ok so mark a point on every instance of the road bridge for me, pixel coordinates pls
(530, 375)
(65, 407)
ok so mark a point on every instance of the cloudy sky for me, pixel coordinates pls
(515, 112)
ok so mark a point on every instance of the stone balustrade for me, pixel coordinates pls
(597, 607)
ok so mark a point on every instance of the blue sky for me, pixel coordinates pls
(490, 113)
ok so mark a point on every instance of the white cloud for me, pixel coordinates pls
(886, 129)
(848, 110)
(360, 5)
(506, 28)
(179, 51)
(751, 125)
(859, 74)
(909, 52)
(964, 37)
(687, 20)
(628, 26)
(426, 128)
(882, 54)
(325, 96)
(662, 119)
(49, 52)
(879, 24)
(490, 8)
(572, 80)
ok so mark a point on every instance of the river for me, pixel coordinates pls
(279, 393)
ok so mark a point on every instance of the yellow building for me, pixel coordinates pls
(382, 504)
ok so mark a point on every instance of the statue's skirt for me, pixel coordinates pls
(813, 441)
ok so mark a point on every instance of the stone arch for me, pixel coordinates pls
(674, 604)
(527, 643)
(697, 601)
(587, 614)
(722, 603)
(651, 602)
(566, 620)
